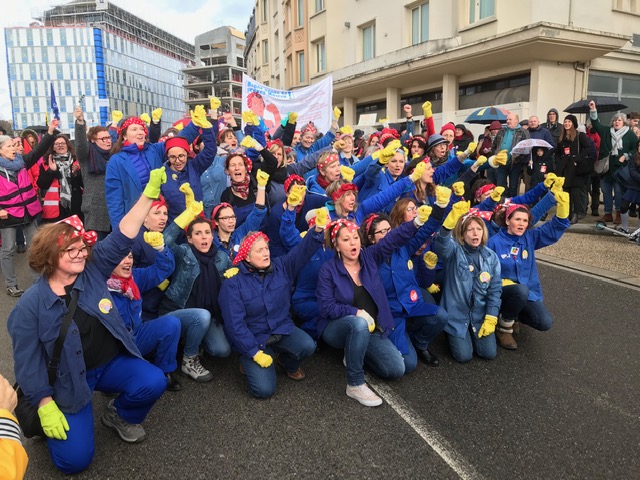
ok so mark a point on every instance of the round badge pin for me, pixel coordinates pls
(105, 305)
(485, 277)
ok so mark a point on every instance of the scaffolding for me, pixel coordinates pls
(115, 20)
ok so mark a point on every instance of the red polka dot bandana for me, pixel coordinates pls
(483, 214)
(334, 227)
(290, 179)
(246, 245)
(326, 161)
(89, 237)
(484, 189)
(132, 121)
(344, 188)
(309, 127)
(513, 207)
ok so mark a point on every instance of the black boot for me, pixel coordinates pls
(429, 358)
(173, 385)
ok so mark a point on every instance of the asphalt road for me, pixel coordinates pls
(564, 405)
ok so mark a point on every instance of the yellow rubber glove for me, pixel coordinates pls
(376, 155)
(116, 116)
(250, 118)
(389, 151)
(550, 179)
(164, 285)
(322, 217)
(496, 195)
(189, 197)
(458, 210)
(347, 173)
(506, 282)
(156, 115)
(303, 234)
(263, 359)
(199, 117)
(53, 421)
(458, 188)
(471, 148)
(346, 130)
(418, 171)
(263, 178)
(157, 177)
(443, 196)
(337, 113)
(426, 110)
(248, 142)
(338, 145)
(480, 161)
(154, 239)
(189, 215)
(230, 272)
(296, 194)
(179, 126)
(488, 326)
(214, 103)
(433, 289)
(430, 260)
(562, 210)
(499, 159)
(371, 323)
(424, 211)
(557, 185)
(145, 118)
(293, 118)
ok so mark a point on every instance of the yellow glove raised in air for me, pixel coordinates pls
(154, 239)
(562, 210)
(496, 195)
(293, 118)
(426, 110)
(557, 185)
(506, 282)
(480, 161)
(337, 113)
(347, 173)
(157, 177)
(418, 171)
(458, 189)
(458, 210)
(550, 179)
(338, 145)
(322, 217)
(443, 196)
(199, 117)
(145, 118)
(296, 194)
(189, 197)
(248, 142)
(179, 126)
(424, 211)
(263, 178)
(430, 260)
(214, 103)
(54, 423)
(189, 215)
(488, 326)
(371, 323)
(156, 115)
(471, 148)
(346, 130)
(250, 118)
(263, 359)
(389, 151)
(116, 116)
(433, 289)
(499, 159)
(230, 272)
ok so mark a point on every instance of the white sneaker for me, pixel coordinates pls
(364, 395)
(192, 367)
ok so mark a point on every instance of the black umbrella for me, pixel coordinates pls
(603, 104)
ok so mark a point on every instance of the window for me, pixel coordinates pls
(420, 24)
(319, 5)
(265, 52)
(301, 74)
(321, 56)
(479, 9)
(264, 10)
(369, 42)
(300, 13)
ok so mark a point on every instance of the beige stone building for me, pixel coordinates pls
(525, 56)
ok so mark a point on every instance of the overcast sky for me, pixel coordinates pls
(184, 18)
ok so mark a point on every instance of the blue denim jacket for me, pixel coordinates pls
(34, 325)
(187, 267)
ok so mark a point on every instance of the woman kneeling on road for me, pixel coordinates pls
(255, 303)
(98, 353)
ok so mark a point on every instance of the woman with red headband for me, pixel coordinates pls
(255, 301)
(98, 352)
(133, 158)
(515, 244)
(354, 310)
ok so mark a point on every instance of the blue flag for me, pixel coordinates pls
(54, 105)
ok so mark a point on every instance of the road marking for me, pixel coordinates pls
(437, 443)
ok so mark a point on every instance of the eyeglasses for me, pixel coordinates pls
(75, 252)
(412, 209)
(58, 144)
(384, 231)
(173, 158)
(230, 217)
(104, 139)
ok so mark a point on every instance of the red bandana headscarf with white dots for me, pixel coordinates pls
(246, 245)
(90, 237)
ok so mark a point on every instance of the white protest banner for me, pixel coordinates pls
(312, 103)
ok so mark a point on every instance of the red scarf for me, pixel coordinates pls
(323, 182)
(241, 189)
(125, 286)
